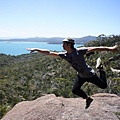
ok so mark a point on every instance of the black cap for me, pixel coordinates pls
(69, 40)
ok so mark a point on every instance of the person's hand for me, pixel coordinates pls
(115, 48)
(31, 49)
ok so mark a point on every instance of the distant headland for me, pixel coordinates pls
(52, 40)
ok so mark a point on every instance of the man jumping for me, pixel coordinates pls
(75, 56)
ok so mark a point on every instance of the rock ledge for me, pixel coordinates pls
(49, 107)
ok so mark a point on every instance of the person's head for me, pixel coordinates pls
(68, 43)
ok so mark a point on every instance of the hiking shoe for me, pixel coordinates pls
(88, 102)
(99, 64)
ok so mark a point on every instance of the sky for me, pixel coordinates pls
(59, 18)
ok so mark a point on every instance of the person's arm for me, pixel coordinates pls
(43, 51)
(103, 48)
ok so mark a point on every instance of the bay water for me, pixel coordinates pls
(18, 48)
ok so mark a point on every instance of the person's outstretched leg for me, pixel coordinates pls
(77, 87)
(102, 80)
(78, 91)
(99, 81)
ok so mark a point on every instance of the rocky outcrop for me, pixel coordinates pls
(49, 107)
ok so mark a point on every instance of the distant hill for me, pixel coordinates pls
(85, 39)
(52, 40)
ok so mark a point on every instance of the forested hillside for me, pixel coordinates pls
(29, 76)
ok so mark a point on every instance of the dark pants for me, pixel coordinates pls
(100, 82)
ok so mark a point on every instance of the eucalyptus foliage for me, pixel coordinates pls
(29, 76)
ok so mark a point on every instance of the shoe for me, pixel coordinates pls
(88, 102)
(99, 64)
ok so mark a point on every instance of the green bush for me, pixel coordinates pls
(29, 76)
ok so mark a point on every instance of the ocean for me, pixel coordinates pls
(18, 48)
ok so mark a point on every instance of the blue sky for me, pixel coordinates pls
(59, 18)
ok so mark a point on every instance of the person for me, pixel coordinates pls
(75, 56)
